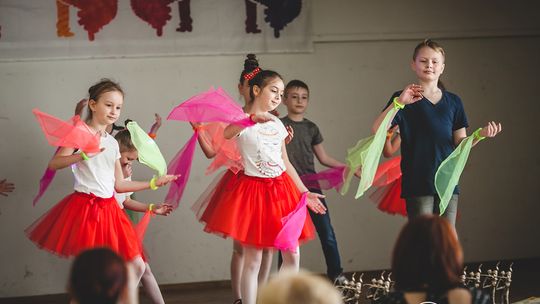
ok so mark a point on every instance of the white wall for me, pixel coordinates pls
(353, 71)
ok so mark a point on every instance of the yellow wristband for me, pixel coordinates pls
(84, 156)
(397, 105)
(151, 207)
(477, 135)
(153, 184)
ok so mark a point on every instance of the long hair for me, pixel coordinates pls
(427, 256)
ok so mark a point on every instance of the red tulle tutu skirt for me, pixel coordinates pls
(249, 209)
(82, 221)
(388, 198)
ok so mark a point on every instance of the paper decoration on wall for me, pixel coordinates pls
(155, 12)
(93, 15)
(279, 13)
(186, 22)
(184, 11)
(62, 20)
(251, 17)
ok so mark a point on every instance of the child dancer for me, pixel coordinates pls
(211, 139)
(306, 143)
(129, 153)
(253, 202)
(90, 217)
(432, 123)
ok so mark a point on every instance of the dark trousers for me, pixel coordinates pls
(324, 228)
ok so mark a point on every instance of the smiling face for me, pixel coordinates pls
(296, 100)
(106, 109)
(428, 64)
(269, 97)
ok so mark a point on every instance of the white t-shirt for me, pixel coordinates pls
(96, 175)
(260, 146)
(121, 197)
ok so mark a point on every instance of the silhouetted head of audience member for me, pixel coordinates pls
(98, 276)
(298, 288)
(427, 256)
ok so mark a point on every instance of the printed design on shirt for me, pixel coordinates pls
(269, 143)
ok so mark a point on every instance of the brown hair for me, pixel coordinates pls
(434, 46)
(250, 64)
(103, 86)
(427, 256)
(124, 141)
(295, 84)
(98, 276)
(261, 80)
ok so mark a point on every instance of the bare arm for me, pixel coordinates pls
(324, 158)
(121, 185)
(233, 130)
(313, 198)
(156, 125)
(65, 158)
(207, 148)
(490, 130)
(392, 144)
(205, 145)
(134, 205)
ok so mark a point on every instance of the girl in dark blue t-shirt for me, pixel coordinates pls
(432, 123)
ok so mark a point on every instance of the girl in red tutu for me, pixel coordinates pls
(90, 217)
(225, 153)
(250, 205)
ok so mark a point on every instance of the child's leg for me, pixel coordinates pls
(419, 205)
(237, 261)
(451, 210)
(138, 266)
(291, 260)
(252, 264)
(266, 266)
(151, 286)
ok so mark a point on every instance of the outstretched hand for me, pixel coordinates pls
(314, 203)
(262, 117)
(6, 187)
(165, 179)
(163, 209)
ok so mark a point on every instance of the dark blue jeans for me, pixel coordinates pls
(324, 228)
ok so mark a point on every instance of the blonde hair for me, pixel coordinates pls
(430, 44)
(434, 46)
(298, 288)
